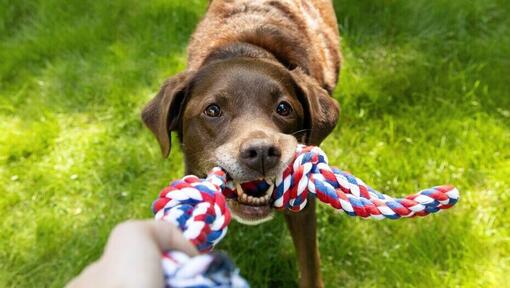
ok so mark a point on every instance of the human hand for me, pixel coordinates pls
(132, 256)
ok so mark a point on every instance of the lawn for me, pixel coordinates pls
(425, 97)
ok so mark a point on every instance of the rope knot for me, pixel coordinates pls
(197, 207)
(292, 186)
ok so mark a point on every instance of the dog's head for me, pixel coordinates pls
(246, 116)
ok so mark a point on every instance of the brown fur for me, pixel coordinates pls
(280, 27)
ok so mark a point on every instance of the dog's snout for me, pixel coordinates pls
(260, 155)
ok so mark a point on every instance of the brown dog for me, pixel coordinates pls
(259, 78)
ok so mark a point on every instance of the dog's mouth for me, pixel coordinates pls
(250, 202)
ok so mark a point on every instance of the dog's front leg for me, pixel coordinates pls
(302, 227)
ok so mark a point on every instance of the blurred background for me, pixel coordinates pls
(425, 97)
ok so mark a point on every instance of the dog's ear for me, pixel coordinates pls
(162, 113)
(321, 110)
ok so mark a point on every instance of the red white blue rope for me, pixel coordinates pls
(199, 208)
(310, 173)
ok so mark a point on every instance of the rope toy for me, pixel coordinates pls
(199, 208)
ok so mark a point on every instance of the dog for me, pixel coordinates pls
(259, 80)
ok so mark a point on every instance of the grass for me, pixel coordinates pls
(425, 100)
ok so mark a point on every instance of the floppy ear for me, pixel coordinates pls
(321, 110)
(163, 112)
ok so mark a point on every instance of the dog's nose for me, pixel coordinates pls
(260, 155)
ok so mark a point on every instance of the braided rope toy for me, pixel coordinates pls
(198, 207)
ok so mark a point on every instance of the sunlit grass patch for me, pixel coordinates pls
(424, 97)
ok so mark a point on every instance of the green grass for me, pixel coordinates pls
(425, 96)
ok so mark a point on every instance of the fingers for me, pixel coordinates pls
(168, 236)
(165, 236)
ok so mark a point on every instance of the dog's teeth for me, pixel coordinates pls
(239, 189)
(251, 200)
(270, 190)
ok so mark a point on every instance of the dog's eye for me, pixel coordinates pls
(283, 108)
(213, 110)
